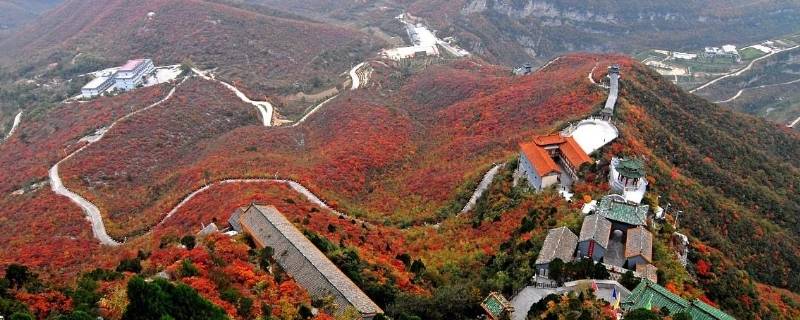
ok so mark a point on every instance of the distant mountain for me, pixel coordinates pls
(14, 13)
(516, 31)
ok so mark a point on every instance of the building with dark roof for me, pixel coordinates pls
(545, 159)
(306, 264)
(560, 243)
(650, 295)
(638, 247)
(593, 240)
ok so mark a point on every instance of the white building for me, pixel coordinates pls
(627, 177)
(97, 86)
(730, 49)
(684, 55)
(132, 74)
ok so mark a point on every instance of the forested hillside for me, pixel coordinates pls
(14, 13)
(267, 51)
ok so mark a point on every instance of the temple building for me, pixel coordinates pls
(627, 178)
(638, 247)
(649, 295)
(622, 214)
(550, 160)
(301, 260)
(593, 240)
(560, 243)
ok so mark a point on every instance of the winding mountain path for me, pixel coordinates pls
(15, 125)
(354, 75)
(738, 94)
(482, 187)
(264, 107)
(303, 119)
(91, 211)
(740, 71)
(299, 188)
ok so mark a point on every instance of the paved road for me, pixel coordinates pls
(523, 301)
(482, 187)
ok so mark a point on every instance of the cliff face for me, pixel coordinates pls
(541, 29)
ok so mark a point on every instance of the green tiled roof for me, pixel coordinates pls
(631, 168)
(618, 210)
(496, 305)
(659, 297)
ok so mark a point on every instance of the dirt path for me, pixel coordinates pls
(264, 107)
(91, 211)
(738, 94)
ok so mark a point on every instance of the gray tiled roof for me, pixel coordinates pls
(596, 227)
(640, 242)
(302, 260)
(560, 243)
(234, 219)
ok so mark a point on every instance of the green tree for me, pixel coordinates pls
(189, 242)
(18, 275)
(555, 270)
(130, 265)
(21, 316)
(642, 314)
(629, 281)
(188, 269)
(160, 298)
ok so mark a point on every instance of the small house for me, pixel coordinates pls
(593, 240)
(638, 247)
(560, 243)
(647, 271)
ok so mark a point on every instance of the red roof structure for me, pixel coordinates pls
(543, 162)
(539, 158)
(131, 65)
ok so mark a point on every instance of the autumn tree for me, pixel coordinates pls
(160, 299)
(18, 275)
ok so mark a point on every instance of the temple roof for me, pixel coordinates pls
(639, 243)
(596, 227)
(630, 168)
(654, 295)
(560, 243)
(615, 208)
